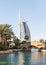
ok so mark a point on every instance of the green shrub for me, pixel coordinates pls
(4, 47)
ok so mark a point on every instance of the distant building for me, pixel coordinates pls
(24, 31)
(24, 34)
(37, 44)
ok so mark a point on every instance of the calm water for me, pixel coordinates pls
(23, 58)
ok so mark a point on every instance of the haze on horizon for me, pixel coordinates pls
(32, 11)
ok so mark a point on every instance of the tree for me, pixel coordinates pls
(41, 40)
(16, 41)
(23, 42)
(26, 37)
(5, 33)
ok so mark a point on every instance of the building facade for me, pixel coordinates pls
(24, 31)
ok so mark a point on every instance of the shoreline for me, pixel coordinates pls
(9, 51)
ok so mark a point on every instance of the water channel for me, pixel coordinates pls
(23, 58)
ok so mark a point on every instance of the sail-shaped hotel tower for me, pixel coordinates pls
(24, 30)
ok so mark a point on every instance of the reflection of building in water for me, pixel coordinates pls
(24, 58)
(36, 57)
(20, 58)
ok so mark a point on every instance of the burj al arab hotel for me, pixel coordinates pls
(24, 30)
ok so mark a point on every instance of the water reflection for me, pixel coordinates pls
(36, 57)
(13, 59)
(20, 58)
(28, 58)
(23, 58)
(3, 61)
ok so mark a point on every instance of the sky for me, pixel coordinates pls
(31, 11)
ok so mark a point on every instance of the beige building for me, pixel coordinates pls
(37, 44)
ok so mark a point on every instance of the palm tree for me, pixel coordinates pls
(5, 33)
(17, 42)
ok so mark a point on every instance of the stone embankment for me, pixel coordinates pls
(9, 51)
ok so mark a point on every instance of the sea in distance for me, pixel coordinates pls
(23, 58)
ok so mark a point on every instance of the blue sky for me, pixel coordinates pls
(32, 11)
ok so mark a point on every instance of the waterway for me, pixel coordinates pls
(23, 58)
